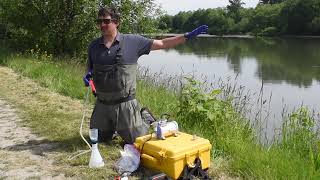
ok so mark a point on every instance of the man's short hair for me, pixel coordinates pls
(109, 11)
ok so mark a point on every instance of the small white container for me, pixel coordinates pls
(96, 160)
(164, 128)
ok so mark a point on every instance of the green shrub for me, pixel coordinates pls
(213, 117)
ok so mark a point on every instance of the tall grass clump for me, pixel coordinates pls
(300, 135)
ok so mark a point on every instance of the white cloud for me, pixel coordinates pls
(174, 6)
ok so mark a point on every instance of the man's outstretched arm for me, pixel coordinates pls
(167, 42)
(174, 41)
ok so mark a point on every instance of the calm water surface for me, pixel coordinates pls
(288, 68)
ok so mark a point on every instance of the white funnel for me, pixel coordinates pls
(96, 160)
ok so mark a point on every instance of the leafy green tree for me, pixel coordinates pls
(3, 27)
(217, 21)
(56, 26)
(266, 16)
(234, 9)
(165, 22)
(138, 16)
(244, 25)
(67, 26)
(197, 18)
(179, 20)
(299, 15)
(315, 25)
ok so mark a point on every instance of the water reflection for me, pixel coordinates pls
(295, 61)
(289, 70)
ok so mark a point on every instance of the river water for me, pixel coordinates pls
(288, 68)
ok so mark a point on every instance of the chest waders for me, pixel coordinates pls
(116, 108)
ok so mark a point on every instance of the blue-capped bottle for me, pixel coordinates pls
(93, 134)
(96, 160)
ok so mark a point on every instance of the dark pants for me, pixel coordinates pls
(124, 118)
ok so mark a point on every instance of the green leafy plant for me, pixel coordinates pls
(208, 112)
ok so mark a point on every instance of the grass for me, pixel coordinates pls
(293, 155)
(57, 117)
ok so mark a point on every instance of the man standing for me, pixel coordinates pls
(112, 63)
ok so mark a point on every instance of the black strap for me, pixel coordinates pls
(148, 111)
(197, 171)
(119, 51)
(114, 102)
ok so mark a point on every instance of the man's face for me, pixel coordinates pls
(107, 25)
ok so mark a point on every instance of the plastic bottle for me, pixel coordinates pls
(96, 160)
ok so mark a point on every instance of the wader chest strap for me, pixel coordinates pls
(119, 51)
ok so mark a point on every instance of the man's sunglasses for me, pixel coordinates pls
(105, 21)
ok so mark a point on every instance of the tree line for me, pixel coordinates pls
(62, 27)
(268, 18)
(67, 26)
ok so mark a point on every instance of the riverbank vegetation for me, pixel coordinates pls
(268, 18)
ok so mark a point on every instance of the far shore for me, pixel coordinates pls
(227, 36)
(201, 35)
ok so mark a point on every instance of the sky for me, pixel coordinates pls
(172, 7)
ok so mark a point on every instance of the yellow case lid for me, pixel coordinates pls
(174, 147)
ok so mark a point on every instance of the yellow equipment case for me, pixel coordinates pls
(172, 154)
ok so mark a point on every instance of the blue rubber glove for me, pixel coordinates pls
(86, 78)
(199, 30)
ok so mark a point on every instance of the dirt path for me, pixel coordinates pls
(25, 155)
(22, 154)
